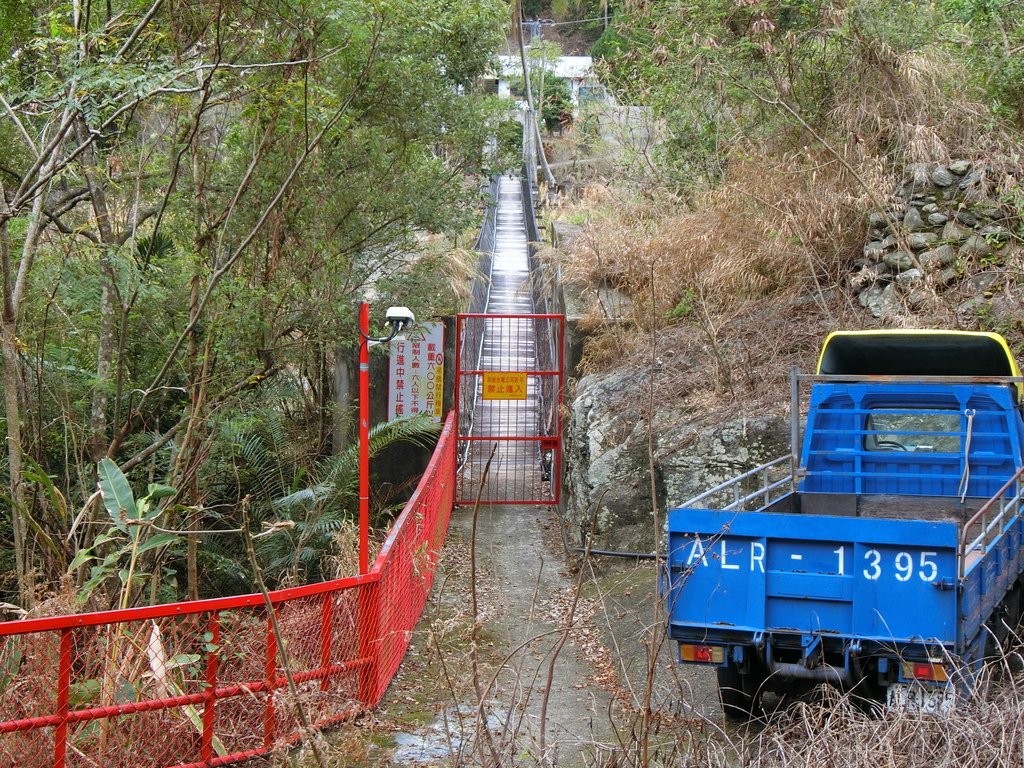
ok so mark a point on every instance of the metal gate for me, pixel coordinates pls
(509, 384)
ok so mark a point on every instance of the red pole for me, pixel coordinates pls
(326, 635)
(270, 677)
(456, 402)
(209, 718)
(364, 438)
(63, 699)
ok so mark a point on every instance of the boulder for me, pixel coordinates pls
(935, 219)
(972, 179)
(975, 246)
(868, 275)
(981, 282)
(960, 167)
(995, 233)
(953, 232)
(966, 218)
(917, 180)
(1005, 307)
(608, 467)
(899, 261)
(921, 240)
(920, 297)
(878, 220)
(937, 258)
(913, 220)
(874, 250)
(941, 177)
(910, 277)
(615, 304)
(881, 300)
(947, 277)
(987, 212)
(563, 233)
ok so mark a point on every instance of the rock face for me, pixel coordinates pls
(945, 220)
(609, 467)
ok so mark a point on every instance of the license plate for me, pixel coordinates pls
(924, 699)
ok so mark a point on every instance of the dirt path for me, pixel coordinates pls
(592, 711)
(529, 605)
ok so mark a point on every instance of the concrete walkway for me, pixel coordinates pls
(529, 592)
(522, 583)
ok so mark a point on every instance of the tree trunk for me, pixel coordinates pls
(344, 398)
(14, 288)
(96, 445)
(12, 410)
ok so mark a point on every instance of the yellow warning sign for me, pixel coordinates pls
(504, 385)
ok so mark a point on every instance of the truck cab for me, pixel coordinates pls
(883, 555)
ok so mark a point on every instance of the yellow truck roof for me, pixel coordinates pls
(916, 353)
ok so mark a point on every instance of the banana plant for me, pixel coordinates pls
(130, 535)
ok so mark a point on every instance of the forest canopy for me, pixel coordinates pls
(193, 198)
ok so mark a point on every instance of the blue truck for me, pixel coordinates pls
(884, 554)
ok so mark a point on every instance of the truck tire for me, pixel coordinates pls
(740, 692)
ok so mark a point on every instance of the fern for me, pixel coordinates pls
(325, 505)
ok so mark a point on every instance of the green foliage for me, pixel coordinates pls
(724, 75)
(510, 144)
(556, 109)
(117, 552)
(262, 165)
(15, 25)
(685, 307)
(611, 44)
(321, 509)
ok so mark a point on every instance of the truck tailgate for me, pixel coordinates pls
(866, 578)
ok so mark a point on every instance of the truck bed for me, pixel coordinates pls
(934, 508)
(890, 539)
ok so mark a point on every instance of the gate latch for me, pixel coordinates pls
(548, 446)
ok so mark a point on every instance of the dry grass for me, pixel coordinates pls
(775, 226)
(822, 728)
(988, 732)
(772, 244)
(915, 106)
(344, 560)
(735, 287)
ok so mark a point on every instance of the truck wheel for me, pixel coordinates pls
(740, 692)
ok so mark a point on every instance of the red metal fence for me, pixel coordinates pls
(203, 683)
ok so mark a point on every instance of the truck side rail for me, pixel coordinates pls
(993, 517)
(765, 493)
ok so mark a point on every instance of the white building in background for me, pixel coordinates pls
(577, 70)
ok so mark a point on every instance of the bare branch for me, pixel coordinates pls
(226, 266)
(139, 28)
(20, 125)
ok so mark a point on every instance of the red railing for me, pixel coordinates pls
(203, 683)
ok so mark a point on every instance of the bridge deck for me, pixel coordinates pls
(509, 345)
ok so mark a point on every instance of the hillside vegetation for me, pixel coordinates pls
(193, 199)
(782, 127)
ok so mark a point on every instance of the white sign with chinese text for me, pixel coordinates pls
(416, 379)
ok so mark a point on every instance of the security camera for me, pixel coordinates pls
(400, 318)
